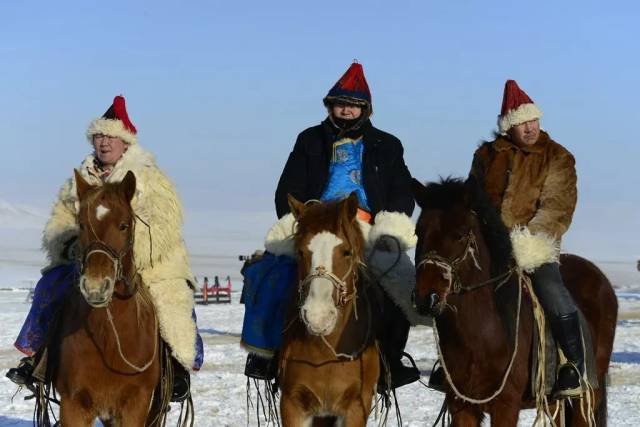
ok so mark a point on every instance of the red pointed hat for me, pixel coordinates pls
(114, 122)
(517, 107)
(351, 88)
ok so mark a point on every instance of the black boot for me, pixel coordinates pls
(393, 335)
(437, 378)
(260, 367)
(23, 374)
(566, 331)
(181, 383)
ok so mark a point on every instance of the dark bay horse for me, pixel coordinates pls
(107, 361)
(463, 255)
(329, 363)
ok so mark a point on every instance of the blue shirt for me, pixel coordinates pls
(345, 172)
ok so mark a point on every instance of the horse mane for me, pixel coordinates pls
(451, 192)
(329, 216)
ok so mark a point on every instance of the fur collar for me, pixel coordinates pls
(502, 143)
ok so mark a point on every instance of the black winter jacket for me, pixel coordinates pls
(385, 176)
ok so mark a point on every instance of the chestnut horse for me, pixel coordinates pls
(329, 363)
(463, 256)
(106, 357)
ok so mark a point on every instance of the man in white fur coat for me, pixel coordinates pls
(159, 250)
(346, 154)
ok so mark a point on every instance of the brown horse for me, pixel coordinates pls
(107, 364)
(329, 362)
(463, 256)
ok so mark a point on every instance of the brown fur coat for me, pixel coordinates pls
(533, 186)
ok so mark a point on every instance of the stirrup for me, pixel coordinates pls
(437, 378)
(574, 391)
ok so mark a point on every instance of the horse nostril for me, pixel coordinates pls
(433, 300)
(106, 285)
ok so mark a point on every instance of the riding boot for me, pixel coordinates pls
(23, 374)
(181, 383)
(566, 331)
(260, 367)
(393, 336)
(437, 379)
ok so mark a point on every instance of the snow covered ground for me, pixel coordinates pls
(220, 388)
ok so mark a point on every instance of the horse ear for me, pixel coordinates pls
(419, 192)
(128, 185)
(82, 186)
(350, 206)
(296, 207)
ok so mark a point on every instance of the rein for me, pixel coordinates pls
(131, 284)
(451, 273)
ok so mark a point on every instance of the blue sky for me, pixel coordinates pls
(219, 90)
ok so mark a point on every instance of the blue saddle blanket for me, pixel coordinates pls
(268, 285)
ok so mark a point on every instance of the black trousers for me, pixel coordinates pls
(553, 295)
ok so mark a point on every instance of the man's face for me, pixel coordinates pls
(346, 111)
(109, 149)
(526, 133)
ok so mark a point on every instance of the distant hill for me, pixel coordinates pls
(16, 216)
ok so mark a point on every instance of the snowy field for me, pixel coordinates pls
(220, 388)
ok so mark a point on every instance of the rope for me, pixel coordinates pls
(122, 356)
(521, 278)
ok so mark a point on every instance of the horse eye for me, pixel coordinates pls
(81, 226)
(347, 253)
(124, 226)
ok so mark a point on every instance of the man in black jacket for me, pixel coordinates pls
(343, 154)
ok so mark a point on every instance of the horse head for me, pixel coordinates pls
(461, 240)
(329, 245)
(105, 241)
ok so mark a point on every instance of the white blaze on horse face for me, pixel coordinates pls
(319, 311)
(101, 211)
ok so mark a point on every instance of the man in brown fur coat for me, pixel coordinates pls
(531, 181)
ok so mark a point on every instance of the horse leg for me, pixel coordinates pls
(504, 414)
(355, 415)
(466, 416)
(74, 414)
(292, 414)
(136, 412)
(575, 417)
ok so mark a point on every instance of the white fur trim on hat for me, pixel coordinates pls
(110, 127)
(279, 240)
(394, 224)
(524, 113)
(533, 250)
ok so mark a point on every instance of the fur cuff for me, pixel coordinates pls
(533, 250)
(394, 224)
(523, 113)
(173, 301)
(279, 240)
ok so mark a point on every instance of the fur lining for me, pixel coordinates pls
(394, 224)
(533, 250)
(110, 127)
(279, 239)
(160, 253)
(523, 113)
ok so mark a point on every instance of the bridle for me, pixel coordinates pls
(340, 284)
(97, 246)
(450, 267)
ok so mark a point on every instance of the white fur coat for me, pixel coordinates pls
(157, 203)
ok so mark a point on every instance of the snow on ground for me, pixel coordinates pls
(220, 393)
